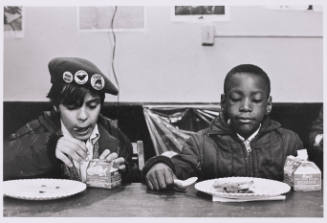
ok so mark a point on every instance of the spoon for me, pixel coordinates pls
(182, 184)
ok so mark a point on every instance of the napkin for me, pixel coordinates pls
(267, 198)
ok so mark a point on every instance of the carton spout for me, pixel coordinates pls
(302, 154)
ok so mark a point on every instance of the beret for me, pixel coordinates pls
(81, 72)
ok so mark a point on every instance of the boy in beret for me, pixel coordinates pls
(56, 142)
(242, 141)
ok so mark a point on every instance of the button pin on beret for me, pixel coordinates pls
(81, 77)
(97, 82)
(79, 71)
(68, 77)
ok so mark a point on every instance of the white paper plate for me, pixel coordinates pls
(263, 187)
(42, 189)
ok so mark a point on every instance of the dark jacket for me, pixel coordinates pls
(217, 152)
(316, 151)
(30, 152)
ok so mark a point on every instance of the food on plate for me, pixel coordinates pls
(234, 187)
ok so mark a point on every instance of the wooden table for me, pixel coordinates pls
(135, 200)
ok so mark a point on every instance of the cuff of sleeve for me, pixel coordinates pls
(127, 173)
(157, 159)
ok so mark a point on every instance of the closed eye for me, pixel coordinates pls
(258, 97)
(72, 107)
(93, 104)
(235, 96)
(257, 100)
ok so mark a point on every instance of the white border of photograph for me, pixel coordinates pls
(140, 29)
(16, 33)
(200, 18)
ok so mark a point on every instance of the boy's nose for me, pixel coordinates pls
(246, 106)
(82, 114)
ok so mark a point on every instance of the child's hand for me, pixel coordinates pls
(319, 140)
(70, 148)
(118, 162)
(160, 176)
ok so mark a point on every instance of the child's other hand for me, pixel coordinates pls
(159, 177)
(319, 140)
(70, 148)
(118, 162)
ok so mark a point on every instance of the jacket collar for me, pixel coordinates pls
(51, 121)
(219, 126)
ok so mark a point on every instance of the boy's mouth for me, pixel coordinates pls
(245, 120)
(82, 131)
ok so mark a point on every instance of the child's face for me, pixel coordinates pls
(80, 121)
(246, 102)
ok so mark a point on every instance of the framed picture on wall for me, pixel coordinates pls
(199, 13)
(13, 21)
(105, 18)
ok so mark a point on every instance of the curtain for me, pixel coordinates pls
(170, 126)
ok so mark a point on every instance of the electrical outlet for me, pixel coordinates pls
(208, 35)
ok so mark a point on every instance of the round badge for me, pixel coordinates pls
(67, 77)
(81, 77)
(97, 82)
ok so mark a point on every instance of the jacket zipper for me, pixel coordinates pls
(248, 160)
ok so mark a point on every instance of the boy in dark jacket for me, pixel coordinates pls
(242, 141)
(56, 142)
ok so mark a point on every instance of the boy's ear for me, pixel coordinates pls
(269, 105)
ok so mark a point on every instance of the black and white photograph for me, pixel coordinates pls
(13, 21)
(124, 112)
(199, 10)
(200, 13)
(128, 18)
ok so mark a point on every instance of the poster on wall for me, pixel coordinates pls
(199, 14)
(122, 18)
(13, 21)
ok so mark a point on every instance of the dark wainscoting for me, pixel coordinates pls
(295, 116)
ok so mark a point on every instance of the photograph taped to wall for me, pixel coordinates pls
(122, 18)
(13, 21)
(199, 14)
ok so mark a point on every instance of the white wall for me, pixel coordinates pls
(166, 62)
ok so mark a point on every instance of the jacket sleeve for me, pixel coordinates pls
(293, 142)
(188, 162)
(185, 164)
(29, 153)
(126, 151)
(316, 128)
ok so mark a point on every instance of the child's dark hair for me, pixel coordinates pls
(68, 94)
(247, 68)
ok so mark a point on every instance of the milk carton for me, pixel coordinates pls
(301, 174)
(99, 173)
